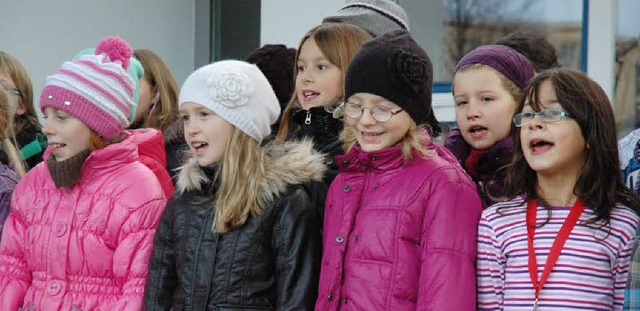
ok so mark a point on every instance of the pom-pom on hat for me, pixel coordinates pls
(376, 16)
(237, 92)
(135, 70)
(96, 88)
(503, 59)
(395, 67)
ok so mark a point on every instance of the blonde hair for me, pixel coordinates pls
(510, 86)
(159, 76)
(414, 139)
(339, 43)
(14, 69)
(241, 172)
(6, 135)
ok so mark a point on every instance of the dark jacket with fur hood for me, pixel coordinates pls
(271, 262)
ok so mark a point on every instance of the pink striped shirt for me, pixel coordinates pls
(590, 274)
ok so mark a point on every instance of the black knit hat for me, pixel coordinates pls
(395, 67)
(277, 63)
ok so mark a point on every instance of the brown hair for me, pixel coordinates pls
(599, 184)
(339, 43)
(96, 141)
(159, 76)
(6, 134)
(538, 50)
(12, 67)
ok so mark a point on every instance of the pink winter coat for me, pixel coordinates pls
(399, 235)
(84, 247)
(154, 156)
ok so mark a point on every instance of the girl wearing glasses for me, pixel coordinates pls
(26, 130)
(564, 240)
(401, 216)
(487, 84)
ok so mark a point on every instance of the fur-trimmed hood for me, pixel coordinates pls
(288, 163)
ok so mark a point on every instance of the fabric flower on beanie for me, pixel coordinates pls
(407, 68)
(96, 89)
(395, 67)
(231, 88)
(236, 91)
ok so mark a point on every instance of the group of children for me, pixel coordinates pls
(350, 205)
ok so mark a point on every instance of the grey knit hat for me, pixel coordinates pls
(376, 16)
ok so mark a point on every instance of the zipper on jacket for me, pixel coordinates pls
(307, 119)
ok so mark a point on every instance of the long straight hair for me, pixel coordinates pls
(6, 134)
(239, 176)
(339, 43)
(159, 76)
(14, 69)
(599, 184)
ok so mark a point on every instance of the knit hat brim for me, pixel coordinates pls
(74, 104)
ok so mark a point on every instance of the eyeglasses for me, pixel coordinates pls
(545, 115)
(379, 113)
(11, 90)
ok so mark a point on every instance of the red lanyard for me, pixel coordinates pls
(556, 248)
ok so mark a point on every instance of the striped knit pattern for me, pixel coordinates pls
(590, 274)
(377, 16)
(93, 89)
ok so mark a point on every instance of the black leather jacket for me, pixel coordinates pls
(269, 263)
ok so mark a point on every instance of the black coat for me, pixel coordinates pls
(320, 125)
(271, 262)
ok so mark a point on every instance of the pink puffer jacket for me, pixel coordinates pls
(84, 247)
(399, 235)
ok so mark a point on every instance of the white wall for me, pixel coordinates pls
(286, 21)
(44, 34)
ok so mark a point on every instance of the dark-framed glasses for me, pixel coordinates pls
(11, 90)
(379, 113)
(545, 115)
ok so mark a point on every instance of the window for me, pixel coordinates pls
(627, 67)
(448, 29)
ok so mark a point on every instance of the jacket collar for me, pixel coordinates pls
(150, 144)
(461, 149)
(319, 124)
(286, 164)
(108, 157)
(357, 160)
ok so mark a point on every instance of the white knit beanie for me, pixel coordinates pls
(236, 91)
(376, 16)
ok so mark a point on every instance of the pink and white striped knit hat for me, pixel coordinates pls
(96, 89)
